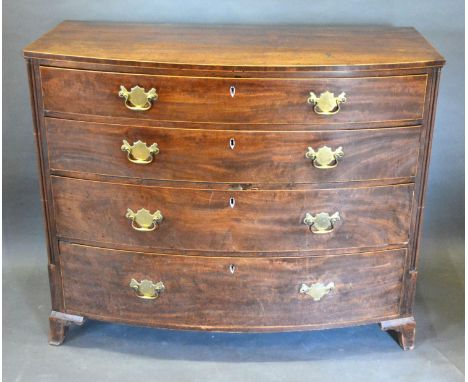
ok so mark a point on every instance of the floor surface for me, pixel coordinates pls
(107, 352)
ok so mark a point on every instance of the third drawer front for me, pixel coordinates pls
(134, 216)
(232, 156)
(223, 293)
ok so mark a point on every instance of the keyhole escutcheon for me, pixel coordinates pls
(232, 143)
(232, 202)
(232, 91)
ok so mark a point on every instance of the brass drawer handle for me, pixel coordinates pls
(327, 103)
(143, 220)
(324, 157)
(322, 222)
(146, 289)
(139, 152)
(318, 290)
(137, 99)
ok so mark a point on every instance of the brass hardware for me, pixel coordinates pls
(317, 291)
(242, 187)
(324, 157)
(146, 289)
(143, 220)
(322, 222)
(327, 103)
(236, 187)
(139, 152)
(137, 99)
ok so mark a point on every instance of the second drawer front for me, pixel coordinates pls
(210, 220)
(259, 294)
(232, 156)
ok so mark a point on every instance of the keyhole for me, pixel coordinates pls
(232, 268)
(232, 202)
(232, 91)
(232, 143)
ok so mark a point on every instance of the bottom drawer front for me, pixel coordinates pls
(255, 294)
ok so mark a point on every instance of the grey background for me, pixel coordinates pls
(116, 352)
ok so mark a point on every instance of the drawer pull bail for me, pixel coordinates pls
(143, 220)
(139, 152)
(327, 103)
(137, 99)
(147, 289)
(324, 157)
(317, 291)
(321, 222)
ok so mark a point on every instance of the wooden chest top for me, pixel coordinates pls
(229, 47)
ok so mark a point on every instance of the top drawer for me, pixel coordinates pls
(235, 100)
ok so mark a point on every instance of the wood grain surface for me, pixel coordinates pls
(260, 47)
(390, 77)
(202, 293)
(257, 157)
(208, 100)
(203, 219)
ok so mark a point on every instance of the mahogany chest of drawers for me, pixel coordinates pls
(233, 178)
